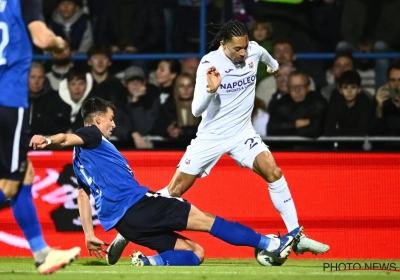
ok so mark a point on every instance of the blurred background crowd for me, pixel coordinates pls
(311, 98)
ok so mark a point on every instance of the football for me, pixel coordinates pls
(264, 258)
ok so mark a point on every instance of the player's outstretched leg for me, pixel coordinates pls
(115, 249)
(265, 166)
(47, 260)
(168, 258)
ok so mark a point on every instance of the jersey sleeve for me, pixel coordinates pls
(90, 135)
(82, 186)
(201, 97)
(31, 11)
(266, 58)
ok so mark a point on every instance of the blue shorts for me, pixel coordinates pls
(14, 142)
(153, 220)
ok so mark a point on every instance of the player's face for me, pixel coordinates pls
(106, 123)
(283, 53)
(66, 9)
(36, 80)
(77, 89)
(164, 76)
(236, 48)
(99, 63)
(342, 64)
(349, 91)
(185, 89)
(298, 88)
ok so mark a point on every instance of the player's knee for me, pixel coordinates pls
(9, 188)
(275, 174)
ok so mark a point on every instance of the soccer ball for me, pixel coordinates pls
(264, 258)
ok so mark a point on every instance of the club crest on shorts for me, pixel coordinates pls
(250, 64)
(187, 161)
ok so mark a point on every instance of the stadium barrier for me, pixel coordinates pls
(348, 200)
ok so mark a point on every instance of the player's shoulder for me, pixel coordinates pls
(210, 58)
(254, 46)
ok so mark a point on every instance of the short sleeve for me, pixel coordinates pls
(31, 11)
(90, 135)
(82, 186)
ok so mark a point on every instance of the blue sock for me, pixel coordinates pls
(238, 234)
(176, 258)
(2, 196)
(25, 214)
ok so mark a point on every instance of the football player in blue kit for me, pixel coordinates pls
(21, 22)
(139, 215)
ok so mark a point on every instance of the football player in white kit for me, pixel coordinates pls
(224, 97)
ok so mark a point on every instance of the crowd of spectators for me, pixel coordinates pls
(309, 98)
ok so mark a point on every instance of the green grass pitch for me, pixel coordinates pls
(218, 269)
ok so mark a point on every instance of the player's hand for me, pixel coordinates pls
(59, 46)
(302, 123)
(38, 142)
(213, 79)
(381, 96)
(271, 71)
(95, 246)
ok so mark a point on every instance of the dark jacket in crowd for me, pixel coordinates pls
(389, 124)
(344, 121)
(284, 114)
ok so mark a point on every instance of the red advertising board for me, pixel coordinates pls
(347, 200)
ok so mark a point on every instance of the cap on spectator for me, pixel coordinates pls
(133, 72)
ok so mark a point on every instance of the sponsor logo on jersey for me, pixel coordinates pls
(229, 70)
(205, 61)
(187, 161)
(239, 85)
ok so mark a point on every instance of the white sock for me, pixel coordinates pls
(41, 255)
(283, 202)
(164, 192)
(273, 244)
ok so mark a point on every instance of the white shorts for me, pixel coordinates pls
(204, 152)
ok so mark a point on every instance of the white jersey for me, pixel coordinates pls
(228, 111)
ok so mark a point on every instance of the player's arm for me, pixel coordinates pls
(57, 141)
(208, 81)
(88, 137)
(85, 212)
(42, 37)
(267, 59)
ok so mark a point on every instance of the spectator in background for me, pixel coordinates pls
(344, 61)
(348, 113)
(189, 65)
(60, 112)
(299, 113)
(184, 127)
(143, 105)
(105, 85)
(386, 118)
(281, 84)
(261, 32)
(69, 22)
(60, 65)
(166, 73)
(259, 117)
(283, 52)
